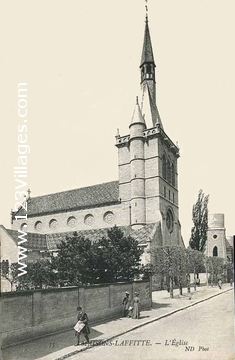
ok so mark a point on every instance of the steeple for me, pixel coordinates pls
(147, 64)
(148, 83)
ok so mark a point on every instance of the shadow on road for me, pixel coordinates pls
(159, 305)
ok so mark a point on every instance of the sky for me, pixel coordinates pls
(80, 60)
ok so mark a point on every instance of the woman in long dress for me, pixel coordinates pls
(126, 304)
(136, 307)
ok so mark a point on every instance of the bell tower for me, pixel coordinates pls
(147, 159)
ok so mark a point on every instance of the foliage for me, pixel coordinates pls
(195, 261)
(9, 272)
(116, 258)
(216, 267)
(73, 264)
(169, 261)
(39, 275)
(80, 262)
(146, 271)
(200, 220)
(229, 270)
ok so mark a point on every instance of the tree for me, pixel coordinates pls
(200, 220)
(117, 257)
(9, 272)
(74, 262)
(169, 262)
(195, 263)
(216, 267)
(110, 259)
(39, 275)
(80, 262)
(229, 268)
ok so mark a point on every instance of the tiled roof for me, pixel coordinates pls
(49, 242)
(83, 198)
(34, 241)
(142, 235)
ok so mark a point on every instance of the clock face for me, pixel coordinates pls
(169, 220)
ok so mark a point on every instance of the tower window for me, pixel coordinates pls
(173, 174)
(164, 167)
(215, 236)
(215, 251)
(149, 69)
(168, 171)
(169, 195)
(164, 191)
(173, 198)
(169, 220)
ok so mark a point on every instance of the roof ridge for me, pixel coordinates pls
(75, 189)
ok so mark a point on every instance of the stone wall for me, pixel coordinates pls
(30, 314)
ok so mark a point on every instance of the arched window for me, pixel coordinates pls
(169, 220)
(149, 69)
(168, 175)
(215, 251)
(173, 174)
(164, 167)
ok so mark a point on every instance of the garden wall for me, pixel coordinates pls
(31, 314)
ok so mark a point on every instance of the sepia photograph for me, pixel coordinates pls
(117, 194)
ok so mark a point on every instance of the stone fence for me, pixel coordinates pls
(31, 314)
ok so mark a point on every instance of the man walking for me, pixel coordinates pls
(82, 325)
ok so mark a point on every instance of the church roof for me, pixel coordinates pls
(82, 198)
(45, 242)
(142, 235)
(34, 241)
(147, 52)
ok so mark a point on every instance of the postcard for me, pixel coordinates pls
(116, 229)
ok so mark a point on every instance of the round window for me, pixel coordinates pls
(109, 217)
(71, 221)
(23, 227)
(53, 224)
(215, 236)
(38, 225)
(89, 219)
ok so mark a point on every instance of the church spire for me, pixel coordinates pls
(148, 84)
(147, 51)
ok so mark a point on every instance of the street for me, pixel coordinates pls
(204, 331)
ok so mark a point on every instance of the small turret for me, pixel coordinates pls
(137, 140)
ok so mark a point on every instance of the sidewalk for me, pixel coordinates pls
(61, 346)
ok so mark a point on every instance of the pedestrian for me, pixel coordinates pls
(220, 283)
(136, 307)
(82, 326)
(126, 302)
(231, 282)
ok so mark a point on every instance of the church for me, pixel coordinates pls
(143, 201)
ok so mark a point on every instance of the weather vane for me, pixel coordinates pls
(146, 8)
